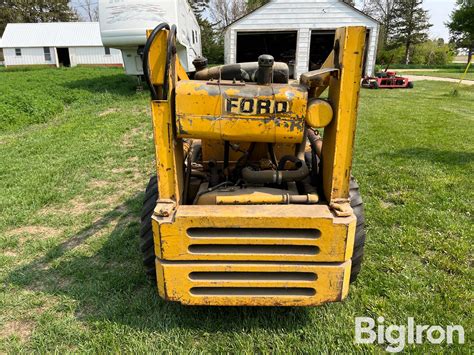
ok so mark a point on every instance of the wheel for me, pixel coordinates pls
(359, 242)
(375, 85)
(411, 85)
(147, 244)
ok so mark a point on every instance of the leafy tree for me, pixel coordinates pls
(411, 24)
(461, 26)
(211, 39)
(35, 11)
(382, 10)
(426, 53)
(255, 4)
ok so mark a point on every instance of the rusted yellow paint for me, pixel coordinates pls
(203, 111)
(330, 283)
(165, 150)
(343, 95)
(333, 244)
(319, 114)
(157, 57)
(180, 71)
(230, 239)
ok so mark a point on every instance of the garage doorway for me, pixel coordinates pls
(322, 43)
(63, 57)
(281, 45)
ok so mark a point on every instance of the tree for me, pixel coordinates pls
(461, 26)
(225, 12)
(255, 4)
(35, 11)
(89, 10)
(382, 10)
(211, 40)
(410, 26)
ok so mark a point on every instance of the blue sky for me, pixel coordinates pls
(439, 14)
(440, 11)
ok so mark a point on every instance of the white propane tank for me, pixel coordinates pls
(123, 25)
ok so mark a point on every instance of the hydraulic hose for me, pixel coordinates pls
(316, 142)
(170, 52)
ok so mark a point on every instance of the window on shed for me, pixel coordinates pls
(47, 54)
(107, 50)
(18, 52)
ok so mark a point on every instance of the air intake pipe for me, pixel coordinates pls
(249, 72)
(276, 176)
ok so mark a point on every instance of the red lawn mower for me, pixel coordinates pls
(386, 80)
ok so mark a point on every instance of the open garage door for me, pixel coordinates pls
(281, 45)
(322, 43)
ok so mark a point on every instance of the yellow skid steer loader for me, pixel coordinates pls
(251, 205)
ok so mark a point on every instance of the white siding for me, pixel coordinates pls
(94, 55)
(302, 16)
(78, 56)
(29, 56)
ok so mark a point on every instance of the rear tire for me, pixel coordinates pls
(411, 85)
(360, 236)
(147, 245)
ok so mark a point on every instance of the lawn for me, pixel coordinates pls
(443, 73)
(76, 152)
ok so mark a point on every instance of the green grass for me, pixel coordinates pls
(71, 193)
(444, 73)
(424, 66)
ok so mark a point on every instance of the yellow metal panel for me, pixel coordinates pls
(255, 284)
(157, 57)
(163, 136)
(319, 114)
(180, 72)
(233, 112)
(343, 95)
(332, 245)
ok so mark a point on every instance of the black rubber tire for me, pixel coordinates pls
(147, 245)
(411, 85)
(359, 242)
(375, 85)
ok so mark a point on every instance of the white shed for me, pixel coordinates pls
(298, 32)
(57, 44)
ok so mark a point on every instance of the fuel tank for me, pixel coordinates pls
(244, 112)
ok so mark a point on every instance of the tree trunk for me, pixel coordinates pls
(407, 53)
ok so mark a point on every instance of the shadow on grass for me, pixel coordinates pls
(119, 84)
(446, 157)
(111, 285)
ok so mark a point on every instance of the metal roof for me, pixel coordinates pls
(52, 34)
(261, 6)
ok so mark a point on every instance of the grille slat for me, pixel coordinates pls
(253, 291)
(253, 249)
(254, 233)
(253, 276)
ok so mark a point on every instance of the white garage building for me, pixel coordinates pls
(57, 44)
(298, 32)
